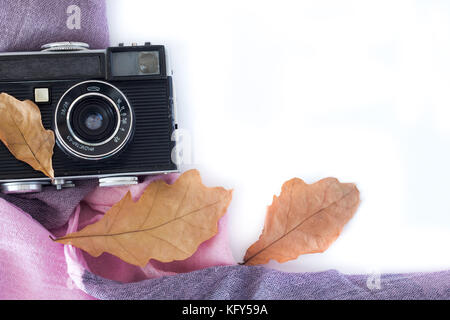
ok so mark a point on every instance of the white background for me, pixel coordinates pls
(359, 90)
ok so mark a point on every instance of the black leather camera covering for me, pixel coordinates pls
(148, 151)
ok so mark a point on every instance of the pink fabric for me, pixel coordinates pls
(33, 266)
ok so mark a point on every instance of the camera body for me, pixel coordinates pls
(112, 112)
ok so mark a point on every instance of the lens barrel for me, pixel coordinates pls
(93, 121)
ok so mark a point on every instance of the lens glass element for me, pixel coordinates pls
(94, 121)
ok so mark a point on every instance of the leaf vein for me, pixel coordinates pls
(294, 228)
(141, 230)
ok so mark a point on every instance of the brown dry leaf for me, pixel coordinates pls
(167, 223)
(304, 219)
(22, 132)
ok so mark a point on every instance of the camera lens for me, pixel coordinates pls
(94, 119)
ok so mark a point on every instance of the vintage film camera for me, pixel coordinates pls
(112, 112)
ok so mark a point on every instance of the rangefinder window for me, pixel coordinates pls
(134, 63)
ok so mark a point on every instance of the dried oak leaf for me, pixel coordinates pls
(304, 219)
(167, 223)
(22, 132)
